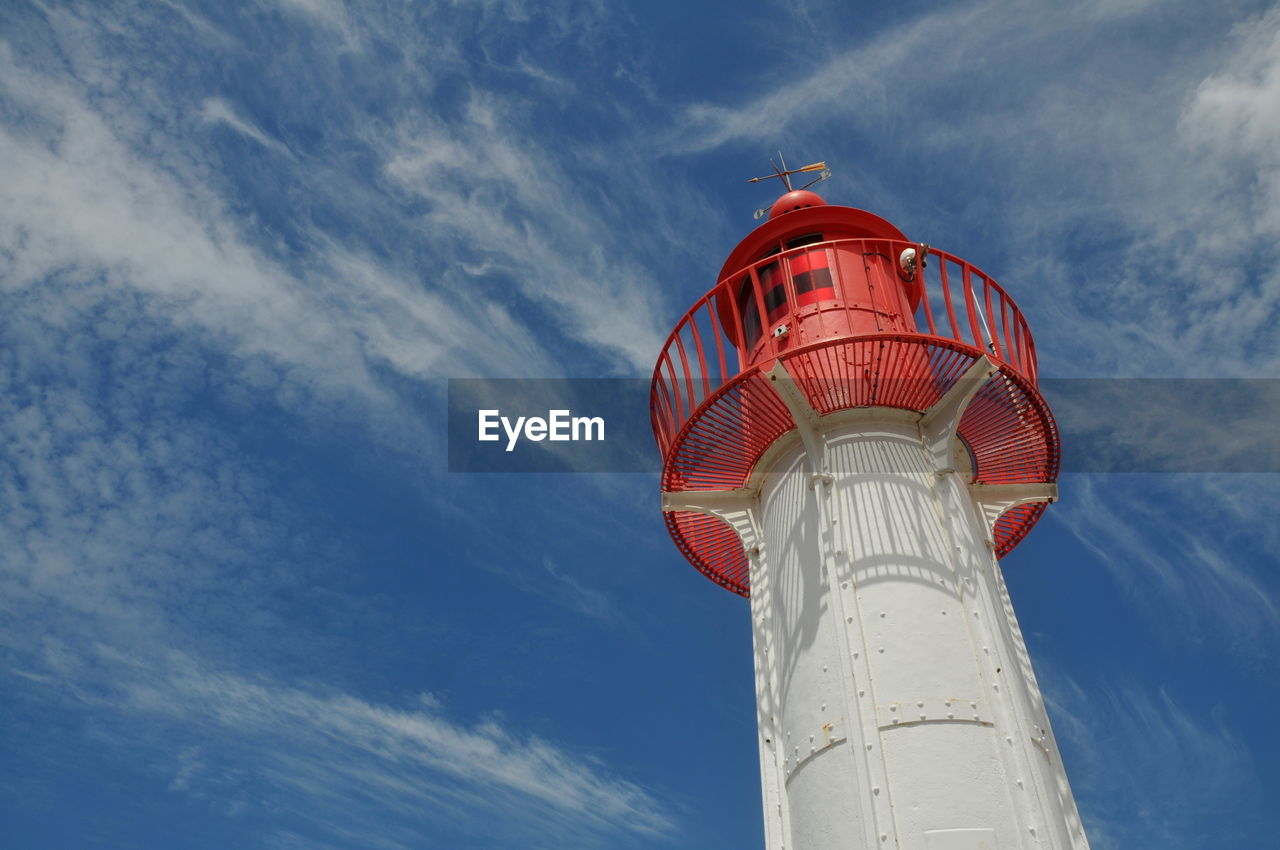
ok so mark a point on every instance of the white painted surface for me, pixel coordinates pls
(897, 704)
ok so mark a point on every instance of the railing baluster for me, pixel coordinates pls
(675, 392)
(1004, 324)
(971, 309)
(922, 286)
(702, 360)
(764, 314)
(717, 331)
(992, 336)
(684, 363)
(946, 296)
(1034, 373)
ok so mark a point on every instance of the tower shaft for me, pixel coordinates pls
(897, 706)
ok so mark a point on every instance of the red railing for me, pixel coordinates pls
(957, 303)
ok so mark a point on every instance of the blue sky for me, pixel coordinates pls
(243, 246)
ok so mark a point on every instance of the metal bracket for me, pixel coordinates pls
(939, 427)
(824, 478)
(708, 501)
(1008, 495)
(735, 507)
(806, 418)
(994, 499)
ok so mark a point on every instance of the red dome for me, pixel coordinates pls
(792, 201)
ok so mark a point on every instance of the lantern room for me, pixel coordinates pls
(809, 273)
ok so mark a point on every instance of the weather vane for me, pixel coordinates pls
(784, 174)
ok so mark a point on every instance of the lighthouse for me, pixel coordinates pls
(852, 436)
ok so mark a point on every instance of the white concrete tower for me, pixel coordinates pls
(852, 435)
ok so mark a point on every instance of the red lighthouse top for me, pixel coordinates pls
(859, 316)
(805, 243)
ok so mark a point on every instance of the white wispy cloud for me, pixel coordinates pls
(330, 14)
(79, 203)
(511, 203)
(588, 600)
(1233, 117)
(370, 760)
(196, 21)
(1161, 538)
(215, 110)
(350, 772)
(1149, 772)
